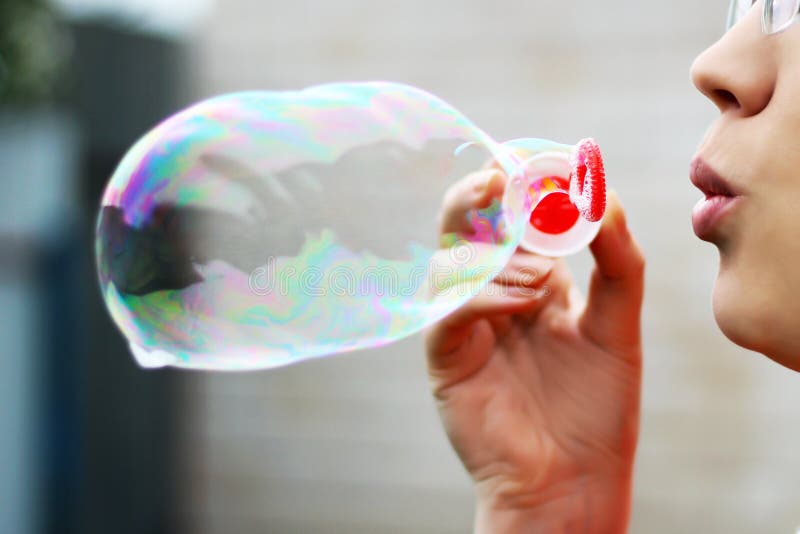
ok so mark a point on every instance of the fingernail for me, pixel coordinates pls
(482, 180)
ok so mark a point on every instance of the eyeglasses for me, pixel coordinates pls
(777, 15)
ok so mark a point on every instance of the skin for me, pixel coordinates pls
(753, 79)
(539, 395)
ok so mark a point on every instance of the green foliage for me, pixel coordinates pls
(33, 51)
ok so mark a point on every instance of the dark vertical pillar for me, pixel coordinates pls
(129, 418)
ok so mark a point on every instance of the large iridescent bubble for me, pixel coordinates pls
(258, 229)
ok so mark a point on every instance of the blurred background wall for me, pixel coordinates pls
(91, 443)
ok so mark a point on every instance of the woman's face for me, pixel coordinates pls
(754, 144)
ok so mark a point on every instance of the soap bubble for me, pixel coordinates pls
(258, 229)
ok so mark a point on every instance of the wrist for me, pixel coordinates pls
(585, 506)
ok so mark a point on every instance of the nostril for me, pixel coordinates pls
(724, 99)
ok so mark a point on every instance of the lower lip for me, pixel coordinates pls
(708, 212)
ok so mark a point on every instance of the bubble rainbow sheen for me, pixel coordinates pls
(258, 229)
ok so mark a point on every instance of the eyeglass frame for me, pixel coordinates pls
(765, 6)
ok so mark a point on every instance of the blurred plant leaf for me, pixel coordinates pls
(34, 49)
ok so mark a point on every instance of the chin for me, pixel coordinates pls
(752, 320)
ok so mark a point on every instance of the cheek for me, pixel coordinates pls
(756, 298)
(757, 294)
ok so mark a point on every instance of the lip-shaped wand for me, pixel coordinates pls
(567, 195)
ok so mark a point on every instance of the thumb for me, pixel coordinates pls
(613, 307)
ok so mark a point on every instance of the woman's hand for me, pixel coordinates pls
(538, 388)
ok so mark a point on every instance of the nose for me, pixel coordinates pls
(738, 72)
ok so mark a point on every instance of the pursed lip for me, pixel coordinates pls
(720, 198)
(707, 180)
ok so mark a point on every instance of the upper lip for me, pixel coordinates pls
(708, 181)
